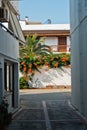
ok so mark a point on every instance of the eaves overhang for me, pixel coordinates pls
(47, 32)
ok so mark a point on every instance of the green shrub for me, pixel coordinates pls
(23, 83)
(5, 117)
(29, 66)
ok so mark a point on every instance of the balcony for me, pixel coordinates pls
(8, 43)
(63, 48)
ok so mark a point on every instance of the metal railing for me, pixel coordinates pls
(8, 30)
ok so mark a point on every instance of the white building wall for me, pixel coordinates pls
(0, 3)
(68, 43)
(53, 42)
(9, 47)
(74, 12)
(16, 5)
(78, 16)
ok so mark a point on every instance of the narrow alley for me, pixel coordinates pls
(46, 109)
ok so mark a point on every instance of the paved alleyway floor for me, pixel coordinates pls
(46, 109)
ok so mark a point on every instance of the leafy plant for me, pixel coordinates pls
(34, 47)
(5, 117)
(28, 66)
(23, 83)
(34, 54)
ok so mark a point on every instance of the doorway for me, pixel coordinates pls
(9, 81)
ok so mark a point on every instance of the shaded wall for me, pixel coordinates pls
(9, 54)
(78, 20)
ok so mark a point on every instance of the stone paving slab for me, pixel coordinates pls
(56, 125)
(30, 114)
(27, 125)
(31, 104)
(40, 95)
(47, 111)
(55, 114)
(58, 104)
(60, 110)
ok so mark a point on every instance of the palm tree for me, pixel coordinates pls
(34, 47)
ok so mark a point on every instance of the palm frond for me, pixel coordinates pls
(34, 46)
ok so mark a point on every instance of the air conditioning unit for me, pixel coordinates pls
(4, 17)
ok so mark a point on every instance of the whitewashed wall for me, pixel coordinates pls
(78, 18)
(16, 5)
(8, 45)
(52, 41)
(68, 43)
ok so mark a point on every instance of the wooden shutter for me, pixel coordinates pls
(62, 44)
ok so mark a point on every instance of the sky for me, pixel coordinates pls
(42, 10)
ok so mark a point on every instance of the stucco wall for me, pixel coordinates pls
(8, 45)
(74, 14)
(83, 67)
(9, 53)
(78, 18)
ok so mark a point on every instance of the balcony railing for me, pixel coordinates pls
(8, 43)
(8, 30)
(63, 48)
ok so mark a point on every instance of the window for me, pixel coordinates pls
(8, 76)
